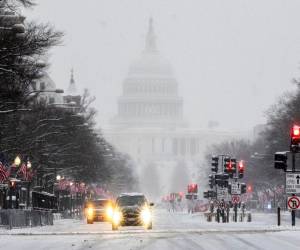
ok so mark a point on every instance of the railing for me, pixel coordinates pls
(14, 218)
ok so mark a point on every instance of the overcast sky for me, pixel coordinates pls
(232, 58)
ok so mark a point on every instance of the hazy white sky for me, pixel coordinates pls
(232, 58)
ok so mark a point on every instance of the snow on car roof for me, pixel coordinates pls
(131, 194)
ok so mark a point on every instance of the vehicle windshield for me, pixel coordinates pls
(100, 203)
(97, 203)
(131, 200)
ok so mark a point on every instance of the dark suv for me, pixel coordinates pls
(132, 209)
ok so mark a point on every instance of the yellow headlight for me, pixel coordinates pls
(90, 212)
(146, 216)
(116, 218)
(109, 212)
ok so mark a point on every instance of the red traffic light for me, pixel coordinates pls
(295, 139)
(229, 166)
(295, 131)
(192, 188)
(241, 166)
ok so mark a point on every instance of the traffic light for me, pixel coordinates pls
(192, 188)
(233, 164)
(221, 180)
(229, 188)
(227, 165)
(212, 194)
(243, 188)
(181, 195)
(218, 179)
(206, 195)
(295, 138)
(209, 194)
(225, 183)
(214, 164)
(280, 160)
(211, 181)
(241, 169)
(233, 167)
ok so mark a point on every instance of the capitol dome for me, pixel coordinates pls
(150, 63)
(150, 91)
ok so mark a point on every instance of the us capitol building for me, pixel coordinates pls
(149, 125)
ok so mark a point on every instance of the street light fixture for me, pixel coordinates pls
(58, 177)
(28, 164)
(17, 161)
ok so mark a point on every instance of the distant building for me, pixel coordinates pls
(45, 89)
(45, 83)
(258, 130)
(149, 125)
(72, 95)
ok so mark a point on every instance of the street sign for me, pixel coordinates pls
(294, 202)
(222, 194)
(191, 196)
(236, 188)
(292, 183)
(235, 199)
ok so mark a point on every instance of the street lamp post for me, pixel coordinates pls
(12, 182)
(28, 165)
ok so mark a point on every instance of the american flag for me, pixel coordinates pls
(4, 173)
(63, 185)
(26, 173)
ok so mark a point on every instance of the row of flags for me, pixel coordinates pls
(24, 172)
(4, 173)
(77, 187)
(270, 193)
(71, 186)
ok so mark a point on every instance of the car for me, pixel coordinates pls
(132, 209)
(98, 210)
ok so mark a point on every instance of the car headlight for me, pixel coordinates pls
(90, 212)
(109, 212)
(116, 218)
(146, 216)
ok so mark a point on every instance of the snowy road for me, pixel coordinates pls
(171, 231)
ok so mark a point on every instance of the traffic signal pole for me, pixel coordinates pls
(293, 170)
(235, 205)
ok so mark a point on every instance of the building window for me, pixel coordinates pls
(42, 86)
(163, 145)
(33, 85)
(153, 145)
(175, 147)
(193, 146)
(182, 147)
(51, 100)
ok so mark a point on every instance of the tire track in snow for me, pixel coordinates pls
(248, 243)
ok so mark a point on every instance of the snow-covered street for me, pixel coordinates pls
(171, 231)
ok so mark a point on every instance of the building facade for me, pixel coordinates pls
(150, 124)
(47, 88)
